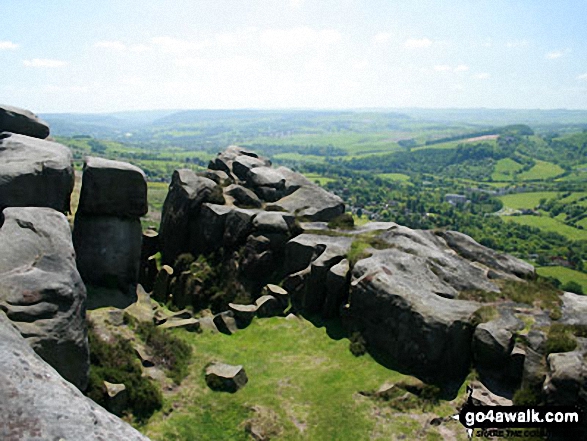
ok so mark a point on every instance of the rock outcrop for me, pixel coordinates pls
(34, 173)
(107, 231)
(199, 214)
(42, 292)
(37, 404)
(25, 122)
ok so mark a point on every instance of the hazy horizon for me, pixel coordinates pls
(81, 57)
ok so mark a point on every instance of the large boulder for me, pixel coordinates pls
(42, 292)
(493, 345)
(113, 188)
(187, 192)
(35, 173)
(312, 203)
(108, 251)
(400, 315)
(24, 122)
(37, 404)
(566, 379)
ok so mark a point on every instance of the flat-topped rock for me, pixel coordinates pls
(42, 292)
(34, 173)
(225, 377)
(113, 188)
(22, 121)
(312, 203)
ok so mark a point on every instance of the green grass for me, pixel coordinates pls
(519, 201)
(563, 274)
(321, 180)
(548, 224)
(394, 177)
(541, 171)
(505, 169)
(303, 384)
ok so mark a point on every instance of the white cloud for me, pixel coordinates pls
(177, 45)
(296, 4)
(8, 45)
(381, 37)
(108, 44)
(361, 64)
(139, 48)
(557, 54)
(582, 77)
(415, 43)
(461, 68)
(64, 89)
(517, 43)
(483, 76)
(44, 62)
(442, 68)
(296, 39)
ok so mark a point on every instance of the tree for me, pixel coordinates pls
(572, 286)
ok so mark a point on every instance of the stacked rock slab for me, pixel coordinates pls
(107, 230)
(34, 173)
(25, 122)
(36, 404)
(42, 292)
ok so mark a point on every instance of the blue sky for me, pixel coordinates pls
(99, 56)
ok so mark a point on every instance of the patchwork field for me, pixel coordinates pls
(565, 275)
(549, 224)
(541, 171)
(519, 201)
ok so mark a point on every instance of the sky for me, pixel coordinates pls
(119, 55)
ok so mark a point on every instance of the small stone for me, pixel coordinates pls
(268, 306)
(191, 324)
(225, 377)
(243, 314)
(225, 322)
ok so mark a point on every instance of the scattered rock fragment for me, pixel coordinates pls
(225, 377)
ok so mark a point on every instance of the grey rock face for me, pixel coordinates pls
(226, 378)
(24, 122)
(186, 194)
(574, 309)
(34, 173)
(113, 188)
(469, 249)
(565, 380)
(243, 197)
(42, 292)
(425, 333)
(108, 250)
(37, 404)
(337, 288)
(311, 202)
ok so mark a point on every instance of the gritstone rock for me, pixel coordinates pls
(112, 188)
(36, 404)
(24, 122)
(34, 173)
(42, 292)
(225, 378)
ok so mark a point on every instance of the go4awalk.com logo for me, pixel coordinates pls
(518, 421)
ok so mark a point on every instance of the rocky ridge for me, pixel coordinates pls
(429, 303)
